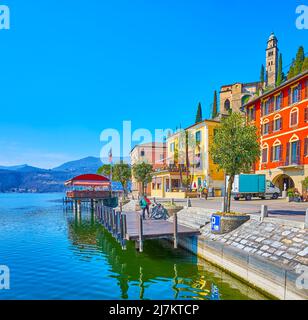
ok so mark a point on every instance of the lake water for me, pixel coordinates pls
(51, 255)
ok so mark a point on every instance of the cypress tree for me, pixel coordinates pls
(300, 57)
(280, 73)
(305, 65)
(262, 74)
(199, 114)
(291, 73)
(215, 112)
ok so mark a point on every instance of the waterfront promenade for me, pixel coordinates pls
(280, 208)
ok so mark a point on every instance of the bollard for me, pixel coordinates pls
(264, 212)
(188, 202)
(306, 219)
(175, 230)
(172, 202)
(222, 207)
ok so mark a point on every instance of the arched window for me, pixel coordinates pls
(294, 117)
(227, 105)
(276, 153)
(277, 122)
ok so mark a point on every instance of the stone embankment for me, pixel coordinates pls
(270, 255)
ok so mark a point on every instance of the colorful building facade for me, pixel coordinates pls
(152, 153)
(171, 181)
(281, 115)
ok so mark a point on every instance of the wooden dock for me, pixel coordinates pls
(130, 226)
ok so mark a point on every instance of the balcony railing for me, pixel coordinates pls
(291, 162)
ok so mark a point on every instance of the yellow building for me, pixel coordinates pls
(171, 181)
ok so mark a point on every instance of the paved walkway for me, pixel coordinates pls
(279, 208)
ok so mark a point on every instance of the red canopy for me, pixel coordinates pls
(89, 180)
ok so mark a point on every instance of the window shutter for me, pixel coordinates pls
(271, 154)
(289, 96)
(288, 153)
(306, 147)
(281, 123)
(298, 150)
(300, 92)
(280, 152)
(306, 114)
(270, 127)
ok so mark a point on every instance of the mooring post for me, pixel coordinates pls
(114, 229)
(172, 202)
(175, 230)
(123, 230)
(140, 231)
(264, 212)
(306, 219)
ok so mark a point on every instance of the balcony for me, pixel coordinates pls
(291, 164)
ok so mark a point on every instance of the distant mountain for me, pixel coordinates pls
(24, 178)
(85, 165)
(22, 168)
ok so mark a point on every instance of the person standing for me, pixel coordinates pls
(144, 205)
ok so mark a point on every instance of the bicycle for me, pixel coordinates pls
(158, 212)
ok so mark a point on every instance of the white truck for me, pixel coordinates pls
(247, 186)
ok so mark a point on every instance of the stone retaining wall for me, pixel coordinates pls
(269, 255)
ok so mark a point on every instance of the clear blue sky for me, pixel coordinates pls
(71, 68)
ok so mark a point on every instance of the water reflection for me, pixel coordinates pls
(181, 272)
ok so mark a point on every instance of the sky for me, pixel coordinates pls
(71, 69)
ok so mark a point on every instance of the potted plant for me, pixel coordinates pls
(223, 222)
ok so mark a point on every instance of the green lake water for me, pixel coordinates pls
(52, 255)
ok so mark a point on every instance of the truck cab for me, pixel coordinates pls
(271, 189)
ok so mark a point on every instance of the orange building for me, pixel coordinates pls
(282, 118)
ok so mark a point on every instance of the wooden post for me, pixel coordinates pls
(175, 230)
(123, 230)
(140, 231)
(172, 201)
(264, 212)
(121, 206)
(114, 223)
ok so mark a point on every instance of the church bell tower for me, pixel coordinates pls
(271, 60)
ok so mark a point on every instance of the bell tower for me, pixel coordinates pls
(271, 60)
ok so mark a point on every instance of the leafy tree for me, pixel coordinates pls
(215, 112)
(235, 148)
(142, 172)
(104, 170)
(121, 172)
(280, 72)
(262, 74)
(199, 113)
(299, 60)
(305, 65)
(305, 183)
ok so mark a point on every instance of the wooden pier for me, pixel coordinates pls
(131, 226)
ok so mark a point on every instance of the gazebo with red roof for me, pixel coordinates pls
(88, 186)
